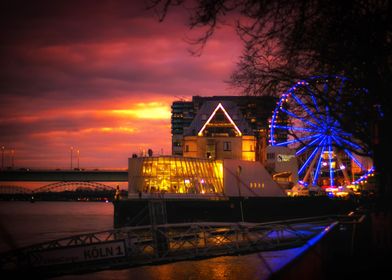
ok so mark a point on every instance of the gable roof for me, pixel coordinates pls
(207, 112)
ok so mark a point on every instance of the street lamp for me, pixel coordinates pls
(71, 155)
(78, 153)
(238, 173)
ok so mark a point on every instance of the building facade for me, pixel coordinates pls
(182, 114)
(218, 147)
(219, 131)
(255, 112)
(174, 174)
(282, 164)
(182, 177)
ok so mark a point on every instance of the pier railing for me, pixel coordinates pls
(134, 246)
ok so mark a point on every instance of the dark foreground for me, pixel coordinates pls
(134, 212)
(360, 250)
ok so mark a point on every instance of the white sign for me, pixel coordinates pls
(77, 254)
(282, 158)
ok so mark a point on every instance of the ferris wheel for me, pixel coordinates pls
(306, 120)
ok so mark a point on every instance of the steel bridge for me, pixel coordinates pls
(56, 187)
(143, 245)
(64, 175)
(10, 189)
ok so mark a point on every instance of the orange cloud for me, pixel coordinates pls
(152, 110)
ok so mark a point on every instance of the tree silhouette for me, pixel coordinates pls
(285, 41)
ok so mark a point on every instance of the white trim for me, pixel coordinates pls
(200, 133)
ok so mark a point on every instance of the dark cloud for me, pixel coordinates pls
(63, 63)
(67, 22)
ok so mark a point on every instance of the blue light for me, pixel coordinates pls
(294, 128)
(313, 98)
(318, 167)
(304, 107)
(299, 118)
(350, 154)
(305, 147)
(299, 140)
(364, 176)
(318, 132)
(309, 158)
(330, 162)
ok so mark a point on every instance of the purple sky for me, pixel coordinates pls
(99, 76)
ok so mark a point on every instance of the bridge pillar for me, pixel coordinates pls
(158, 216)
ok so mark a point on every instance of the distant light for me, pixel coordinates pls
(187, 181)
(342, 167)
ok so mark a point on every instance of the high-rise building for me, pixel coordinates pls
(182, 116)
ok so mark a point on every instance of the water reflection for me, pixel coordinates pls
(228, 267)
(30, 223)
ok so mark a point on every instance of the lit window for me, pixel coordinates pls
(227, 146)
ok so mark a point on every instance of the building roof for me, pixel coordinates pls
(209, 108)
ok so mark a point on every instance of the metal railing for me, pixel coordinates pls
(141, 245)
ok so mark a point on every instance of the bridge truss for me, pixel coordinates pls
(56, 187)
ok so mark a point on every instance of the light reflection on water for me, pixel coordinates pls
(228, 267)
(29, 223)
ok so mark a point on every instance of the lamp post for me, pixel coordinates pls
(238, 173)
(71, 155)
(78, 153)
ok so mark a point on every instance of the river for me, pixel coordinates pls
(24, 223)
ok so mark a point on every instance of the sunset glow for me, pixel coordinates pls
(100, 78)
(151, 110)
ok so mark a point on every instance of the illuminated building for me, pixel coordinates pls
(175, 175)
(254, 111)
(219, 155)
(217, 173)
(219, 131)
(183, 177)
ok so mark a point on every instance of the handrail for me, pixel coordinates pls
(141, 245)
